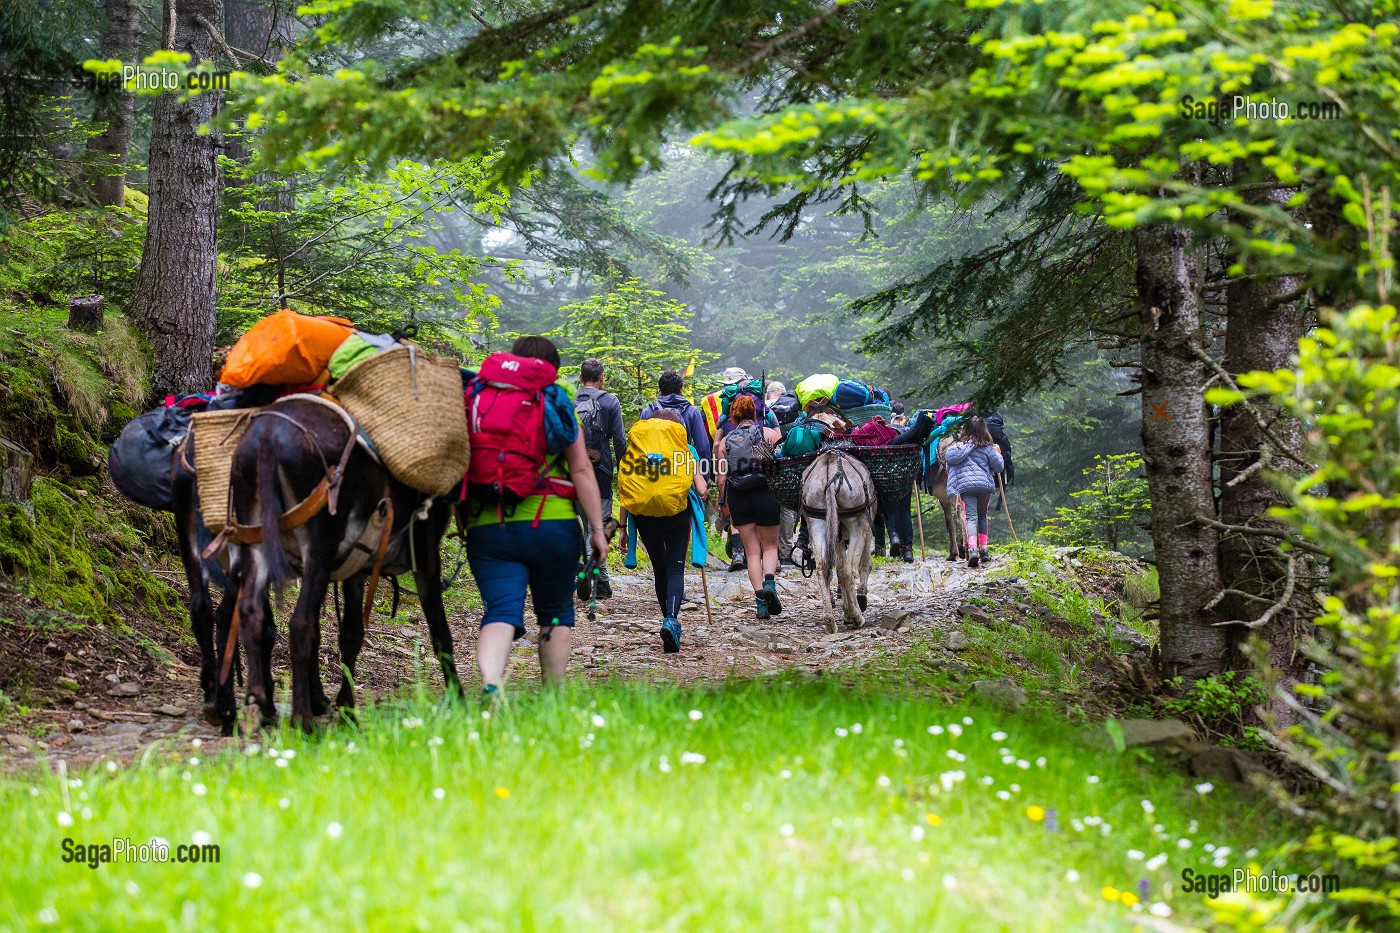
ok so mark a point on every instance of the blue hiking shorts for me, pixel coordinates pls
(510, 558)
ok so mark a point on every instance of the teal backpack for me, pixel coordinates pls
(803, 438)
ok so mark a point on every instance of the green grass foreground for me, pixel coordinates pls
(753, 805)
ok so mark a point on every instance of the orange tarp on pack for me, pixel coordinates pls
(285, 349)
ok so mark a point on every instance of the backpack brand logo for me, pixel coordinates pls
(511, 365)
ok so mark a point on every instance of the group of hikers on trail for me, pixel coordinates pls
(552, 472)
(658, 477)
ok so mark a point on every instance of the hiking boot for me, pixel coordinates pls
(604, 588)
(982, 554)
(972, 558)
(769, 596)
(761, 604)
(670, 635)
(489, 695)
(739, 562)
(907, 552)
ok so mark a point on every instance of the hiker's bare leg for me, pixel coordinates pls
(768, 543)
(493, 651)
(752, 554)
(555, 653)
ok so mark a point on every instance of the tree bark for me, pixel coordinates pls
(264, 28)
(113, 106)
(1176, 449)
(174, 302)
(1263, 327)
(16, 472)
(86, 313)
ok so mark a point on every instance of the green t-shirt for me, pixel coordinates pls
(555, 507)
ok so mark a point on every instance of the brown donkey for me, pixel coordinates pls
(299, 468)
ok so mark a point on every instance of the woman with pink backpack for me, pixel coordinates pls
(529, 465)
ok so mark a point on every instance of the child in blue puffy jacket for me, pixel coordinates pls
(973, 463)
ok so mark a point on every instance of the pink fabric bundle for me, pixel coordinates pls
(957, 409)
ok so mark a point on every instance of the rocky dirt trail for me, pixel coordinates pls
(134, 706)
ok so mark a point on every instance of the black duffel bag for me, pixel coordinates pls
(141, 458)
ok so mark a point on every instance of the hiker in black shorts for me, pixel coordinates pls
(746, 453)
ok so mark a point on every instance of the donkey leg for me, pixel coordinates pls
(817, 532)
(202, 622)
(254, 619)
(352, 639)
(428, 579)
(863, 568)
(848, 570)
(948, 524)
(319, 701)
(303, 634)
(222, 710)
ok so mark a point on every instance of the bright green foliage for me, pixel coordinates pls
(1347, 390)
(359, 246)
(785, 805)
(971, 97)
(638, 333)
(1111, 510)
(1222, 705)
(84, 252)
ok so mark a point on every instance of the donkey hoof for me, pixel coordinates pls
(861, 602)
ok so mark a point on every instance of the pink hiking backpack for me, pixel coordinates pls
(506, 421)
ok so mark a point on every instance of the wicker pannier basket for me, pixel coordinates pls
(215, 434)
(410, 404)
(893, 468)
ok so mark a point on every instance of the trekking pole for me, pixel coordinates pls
(705, 586)
(1005, 508)
(918, 497)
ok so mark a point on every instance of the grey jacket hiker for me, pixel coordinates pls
(972, 467)
(610, 423)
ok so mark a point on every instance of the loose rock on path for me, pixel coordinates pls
(129, 715)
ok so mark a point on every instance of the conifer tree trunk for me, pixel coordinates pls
(174, 302)
(1176, 449)
(1264, 324)
(113, 106)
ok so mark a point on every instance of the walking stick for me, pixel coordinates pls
(918, 496)
(1005, 508)
(705, 585)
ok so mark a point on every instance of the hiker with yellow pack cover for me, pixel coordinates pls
(661, 493)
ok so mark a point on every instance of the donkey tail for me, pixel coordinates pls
(833, 527)
(270, 515)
